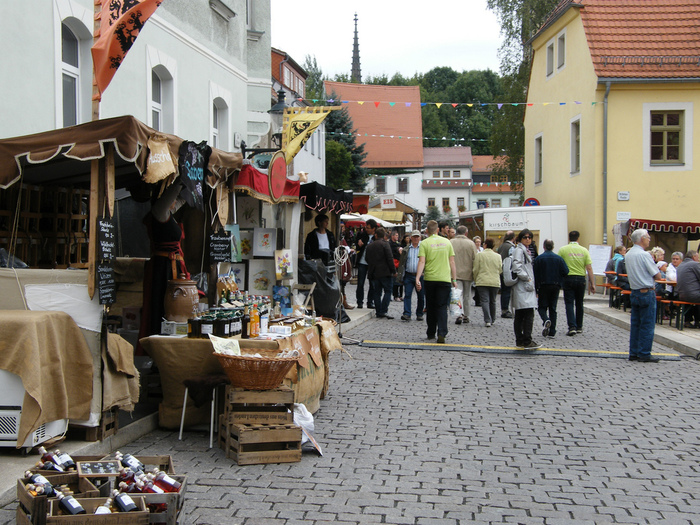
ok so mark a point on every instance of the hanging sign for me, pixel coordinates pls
(388, 202)
(277, 174)
(220, 247)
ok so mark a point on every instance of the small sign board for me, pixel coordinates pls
(624, 215)
(106, 284)
(220, 247)
(623, 195)
(388, 202)
(98, 469)
(106, 245)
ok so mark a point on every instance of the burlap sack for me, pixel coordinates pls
(160, 163)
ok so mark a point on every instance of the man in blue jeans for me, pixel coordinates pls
(579, 262)
(408, 266)
(642, 272)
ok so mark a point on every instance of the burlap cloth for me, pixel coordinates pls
(47, 350)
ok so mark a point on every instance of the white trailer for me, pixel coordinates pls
(545, 222)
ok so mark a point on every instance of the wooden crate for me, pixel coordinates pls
(249, 407)
(139, 517)
(37, 507)
(263, 443)
(223, 433)
(109, 425)
(173, 501)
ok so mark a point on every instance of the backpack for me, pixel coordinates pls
(509, 278)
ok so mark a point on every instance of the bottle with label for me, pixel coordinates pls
(66, 461)
(130, 461)
(50, 456)
(264, 320)
(254, 321)
(129, 487)
(148, 487)
(125, 474)
(105, 508)
(164, 481)
(69, 504)
(245, 324)
(49, 465)
(123, 502)
(41, 484)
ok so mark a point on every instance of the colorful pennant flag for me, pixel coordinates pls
(120, 25)
(299, 125)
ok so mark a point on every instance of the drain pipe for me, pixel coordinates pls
(605, 163)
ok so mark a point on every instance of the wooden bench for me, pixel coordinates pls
(684, 307)
(615, 295)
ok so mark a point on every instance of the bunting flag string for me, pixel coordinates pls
(402, 137)
(454, 105)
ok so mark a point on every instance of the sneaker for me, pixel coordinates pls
(441, 340)
(405, 318)
(579, 331)
(571, 332)
(488, 325)
(419, 318)
(545, 330)
(507, 315)
(532, 346)
(458, 320)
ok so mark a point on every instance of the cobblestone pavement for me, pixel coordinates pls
(431, 436)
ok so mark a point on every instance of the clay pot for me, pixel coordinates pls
(181, 299)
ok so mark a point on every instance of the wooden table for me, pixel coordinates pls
(180, 358)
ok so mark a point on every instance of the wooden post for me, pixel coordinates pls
(92, 239)
(95, 90)
(109, 178)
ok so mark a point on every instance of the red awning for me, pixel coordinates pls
(256, 184)
(360, 203)
(665, 226)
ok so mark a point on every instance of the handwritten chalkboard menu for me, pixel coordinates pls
(106, 283)
(220, 247)
(106, 240)
(98, 469)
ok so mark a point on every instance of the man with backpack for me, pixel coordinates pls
(504, 251)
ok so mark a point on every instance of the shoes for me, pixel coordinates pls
(429, 337)
(488, 325)
(551, 333)
(633, 358)
(507, 315)
(347, 305)
(359, 305)
(441, 340)
(649, 359)
(532, 346)
(545, 330)
(387, 316)
(571, 332)
(419, 318)
(458, 320)
(465, 320)
(405, 318)
(578, 331)
(370, 306)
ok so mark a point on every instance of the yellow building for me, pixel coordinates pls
(609, 125)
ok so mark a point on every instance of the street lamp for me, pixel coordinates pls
(276, 123)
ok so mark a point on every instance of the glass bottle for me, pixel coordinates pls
(123, 502)
(255, 321)
(66, 461)
(69, 504)
(164, 481)
(50, 456)
(130, 461)
(49, 465)
(105, 508)
(41, 483)
(245, 324)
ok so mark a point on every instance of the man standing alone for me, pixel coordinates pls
(465, 252)
(381, 272)
(504, 251)
(579, 262)
(437, 257)
(550, 272)
(642, 272)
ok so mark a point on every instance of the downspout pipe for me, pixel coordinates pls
(605, 162)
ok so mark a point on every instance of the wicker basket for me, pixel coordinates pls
(256, 373)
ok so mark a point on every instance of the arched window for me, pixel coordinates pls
(70, 58)
(219, 124)
(162, 100)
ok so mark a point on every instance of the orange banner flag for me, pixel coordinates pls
(120, 24)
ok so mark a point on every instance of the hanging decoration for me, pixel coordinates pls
(454, 105)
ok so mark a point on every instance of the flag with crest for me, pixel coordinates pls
(299, 125)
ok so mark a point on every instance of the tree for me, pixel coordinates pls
(314, 81)
(338, 165)
(339, 128)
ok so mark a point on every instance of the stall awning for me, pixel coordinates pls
(324, 199)
(665, 226)
(360, 203)
(257, 184)
(395, 216)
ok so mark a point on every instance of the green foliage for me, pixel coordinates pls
(339, 128)
(432, 214)
(339, 165)
(314, 82)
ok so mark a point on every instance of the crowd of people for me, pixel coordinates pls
(443, 267)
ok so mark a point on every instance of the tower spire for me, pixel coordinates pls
(356, 73)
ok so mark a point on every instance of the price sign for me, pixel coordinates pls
(220, 247)
(106, 245)
(98, 469)
(106, 284)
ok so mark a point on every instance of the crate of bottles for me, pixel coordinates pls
(249, 407)
(58, 516)
(36, 506)
(263, 443)
(165, 508)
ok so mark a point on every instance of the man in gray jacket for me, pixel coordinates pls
(688, 287)
(465, 252)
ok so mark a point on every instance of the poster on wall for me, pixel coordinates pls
(261, 276)
(238, 270)
(235, 232)
(246, 244)
(283, 264)
(248, 212)
(264, 242)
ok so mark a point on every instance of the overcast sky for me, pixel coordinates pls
(404, 37)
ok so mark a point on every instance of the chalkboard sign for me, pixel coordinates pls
(106, 283)
(220, 247)
(106, 240)
(98, 469)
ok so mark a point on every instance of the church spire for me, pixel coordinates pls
(356, 74)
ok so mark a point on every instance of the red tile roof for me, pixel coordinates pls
(396, 123)
(640, 38)
(454, 157)
(482, 163)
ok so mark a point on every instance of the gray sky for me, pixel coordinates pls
(405, 37)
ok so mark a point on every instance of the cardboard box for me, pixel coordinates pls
(173, 328)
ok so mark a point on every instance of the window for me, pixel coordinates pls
(495, 203)
(666, 137)
(219, 124)
(561, 51)
(403, 185)
(436, 174)
(287, 78)
(482, 204)
(431, 202)
(380, 185)
(497, 178)
(514, 203)
(575, 147)
(70, 56)
(446, 174)
(456, 174)
(538, 160)
(156, 101)
(445, 202)
(550, 59)
(460, 201)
